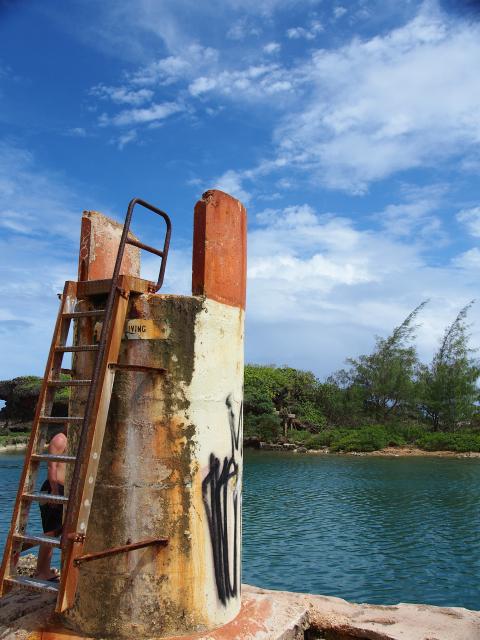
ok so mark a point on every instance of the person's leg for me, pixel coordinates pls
(44, 572)
(51, 524)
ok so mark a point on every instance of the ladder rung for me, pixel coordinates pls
(55, 419)
(34, 540)
(40, 496)
(51, 457)
(75, 348)
(67, 372)
(84, 314)
(68, 383)
(34, 584)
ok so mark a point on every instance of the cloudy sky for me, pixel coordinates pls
(350, 130)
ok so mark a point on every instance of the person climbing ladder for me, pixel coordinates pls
(52, 514)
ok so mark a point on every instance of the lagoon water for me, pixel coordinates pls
(380, 530)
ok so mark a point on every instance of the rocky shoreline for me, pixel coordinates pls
(387, 452)
(291, 447)
(9, 448)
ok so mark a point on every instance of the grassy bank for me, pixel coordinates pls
(377, 437)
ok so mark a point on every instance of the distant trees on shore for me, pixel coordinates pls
(389, 392)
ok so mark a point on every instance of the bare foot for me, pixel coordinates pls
(52, 575)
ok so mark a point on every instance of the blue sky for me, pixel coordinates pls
(350, 130)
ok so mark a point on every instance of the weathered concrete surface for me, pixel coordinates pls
(273, 615)
(99, 240)
(171, 455)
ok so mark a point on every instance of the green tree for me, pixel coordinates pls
(20, 396)
(383, 382)
(447, 387)
(282, 391)
(341, 401)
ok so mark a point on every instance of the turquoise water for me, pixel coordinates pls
(10, 468)
(380, 530)
(365, 529)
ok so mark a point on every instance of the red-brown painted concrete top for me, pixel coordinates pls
(219, 265)
(99, 240)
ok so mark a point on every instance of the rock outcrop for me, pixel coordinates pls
(20, 396)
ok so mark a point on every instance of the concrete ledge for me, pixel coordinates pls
(275, 615)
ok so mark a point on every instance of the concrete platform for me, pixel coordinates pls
(274, 615)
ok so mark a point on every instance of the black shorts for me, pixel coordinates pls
(52, 514)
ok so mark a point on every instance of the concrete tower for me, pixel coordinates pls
(171, 463)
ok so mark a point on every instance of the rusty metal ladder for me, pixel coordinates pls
(93, 423)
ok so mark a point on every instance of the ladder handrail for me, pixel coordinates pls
(126, 240)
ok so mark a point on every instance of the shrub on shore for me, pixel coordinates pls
(375, 437)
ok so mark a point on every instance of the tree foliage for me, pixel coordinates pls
(447, 387)
(281, 392)
(386, 396)
(382, 382)
(20, 396)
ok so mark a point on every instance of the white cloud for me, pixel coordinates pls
(351, 115)
(148, 114)
(16, 221)
(185, 65)
(39, 231)
(34, 201)
(126, 138)
(308, 33)
(77, 132)
(243, 28)
(122, 95)
(256, 82)
(202, 85)
(339, 11)
(417, 214)
(384, 105)
(231, 182)
(320, 289)
(126, 29)
(468, 260)
(471, 219)
(272, 47)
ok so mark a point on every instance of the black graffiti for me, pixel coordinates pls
(222, 504)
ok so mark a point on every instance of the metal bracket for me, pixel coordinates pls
(136, 367)
(122, 292)
(76, 537)
(88, 557)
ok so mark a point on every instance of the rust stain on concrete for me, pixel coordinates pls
(144, 485)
